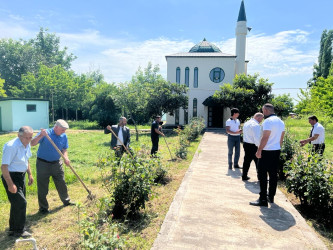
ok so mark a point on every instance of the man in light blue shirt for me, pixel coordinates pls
(49, 164)
(15, 163)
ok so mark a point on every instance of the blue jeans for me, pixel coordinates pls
(233, 142)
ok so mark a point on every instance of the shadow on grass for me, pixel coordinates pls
(8, 242)
(139, 222)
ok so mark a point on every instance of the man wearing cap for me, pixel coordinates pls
(155, 132)
(15, 164)
(49, 163)
(316, 137)
(123, 134)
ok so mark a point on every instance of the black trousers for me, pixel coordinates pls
(154, 147)
(18, 203)
(318, 148)
(250, 155)
(268, 163)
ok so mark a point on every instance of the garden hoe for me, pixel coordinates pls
(121, 143)
(90, 195)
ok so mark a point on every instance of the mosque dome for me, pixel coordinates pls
(204, 46)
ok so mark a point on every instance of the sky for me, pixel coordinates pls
(118, 37)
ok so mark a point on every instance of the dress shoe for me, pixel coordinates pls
(69, 203)
(43, 211)
(10, 233)
(237, 166)
(259, 203)
(24, 234)
(245, 178)
(270, 200)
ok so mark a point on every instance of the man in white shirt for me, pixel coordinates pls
(268, 155)
(233, 130)
(124, 135)
(251, 141)
(316, 137)
(15, 164)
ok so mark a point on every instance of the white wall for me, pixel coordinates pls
(16, 114)
(206, 87)
(6, 115)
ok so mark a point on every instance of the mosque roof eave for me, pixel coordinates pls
(201, 54)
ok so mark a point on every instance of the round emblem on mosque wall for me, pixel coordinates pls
(216, 75)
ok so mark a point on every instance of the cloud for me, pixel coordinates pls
(284, 54)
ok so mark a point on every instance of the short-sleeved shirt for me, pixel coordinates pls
(154, 126)
(320, 130)
(252, 132)
(234, 126)
(276, 126)
(46, 150)
(16, 156)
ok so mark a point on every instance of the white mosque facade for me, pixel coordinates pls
(203, 70)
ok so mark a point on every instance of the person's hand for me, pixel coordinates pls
(12, 189)
(162, 134)
(31, 179)
(303, 142)
(108, 127)
(67, 161)
(43, 132)
(258, 154)
(240, 131)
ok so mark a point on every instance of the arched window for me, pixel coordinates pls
(178, 75)
(195, 83)
(187, 76)
(177, 117)
(195, 104)
(185, 116)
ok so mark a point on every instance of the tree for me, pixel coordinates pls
(322, 69)
(247, 93)
(283, 105)
(2, 91)
(103, 108)
(22, 57)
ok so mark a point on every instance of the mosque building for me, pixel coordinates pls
(203, 70)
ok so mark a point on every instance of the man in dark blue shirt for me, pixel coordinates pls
(49, 163)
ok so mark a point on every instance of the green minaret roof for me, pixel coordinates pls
(242, 15)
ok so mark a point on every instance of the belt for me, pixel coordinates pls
(40, 159)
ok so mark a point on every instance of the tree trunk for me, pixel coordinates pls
(76, 115)
(136, 129)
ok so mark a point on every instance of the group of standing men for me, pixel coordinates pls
(15, 165)
(262, 144)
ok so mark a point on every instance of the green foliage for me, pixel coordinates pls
(324, 59)
(84, 124)
(22, 57)
(99, 231)
(2, 90)
(190, 133)
(310, 178)
(102, 108)
(247, 93)
(130, 181)
(283, 105)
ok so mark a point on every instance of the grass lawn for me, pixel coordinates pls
(60, 228)
(300, 129)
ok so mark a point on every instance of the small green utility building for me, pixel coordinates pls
(17, 112)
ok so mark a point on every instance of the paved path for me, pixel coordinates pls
(211, 209)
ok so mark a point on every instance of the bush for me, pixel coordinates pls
(99, 231)
(130, 182)
(310, 178)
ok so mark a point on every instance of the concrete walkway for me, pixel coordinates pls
(211, 209)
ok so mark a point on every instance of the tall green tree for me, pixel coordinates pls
(22, 57)
(325, 57)
(248, 93)
(283, 104)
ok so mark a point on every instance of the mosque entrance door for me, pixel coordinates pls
(215, 117)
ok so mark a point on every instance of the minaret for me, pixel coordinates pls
(241, 32)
